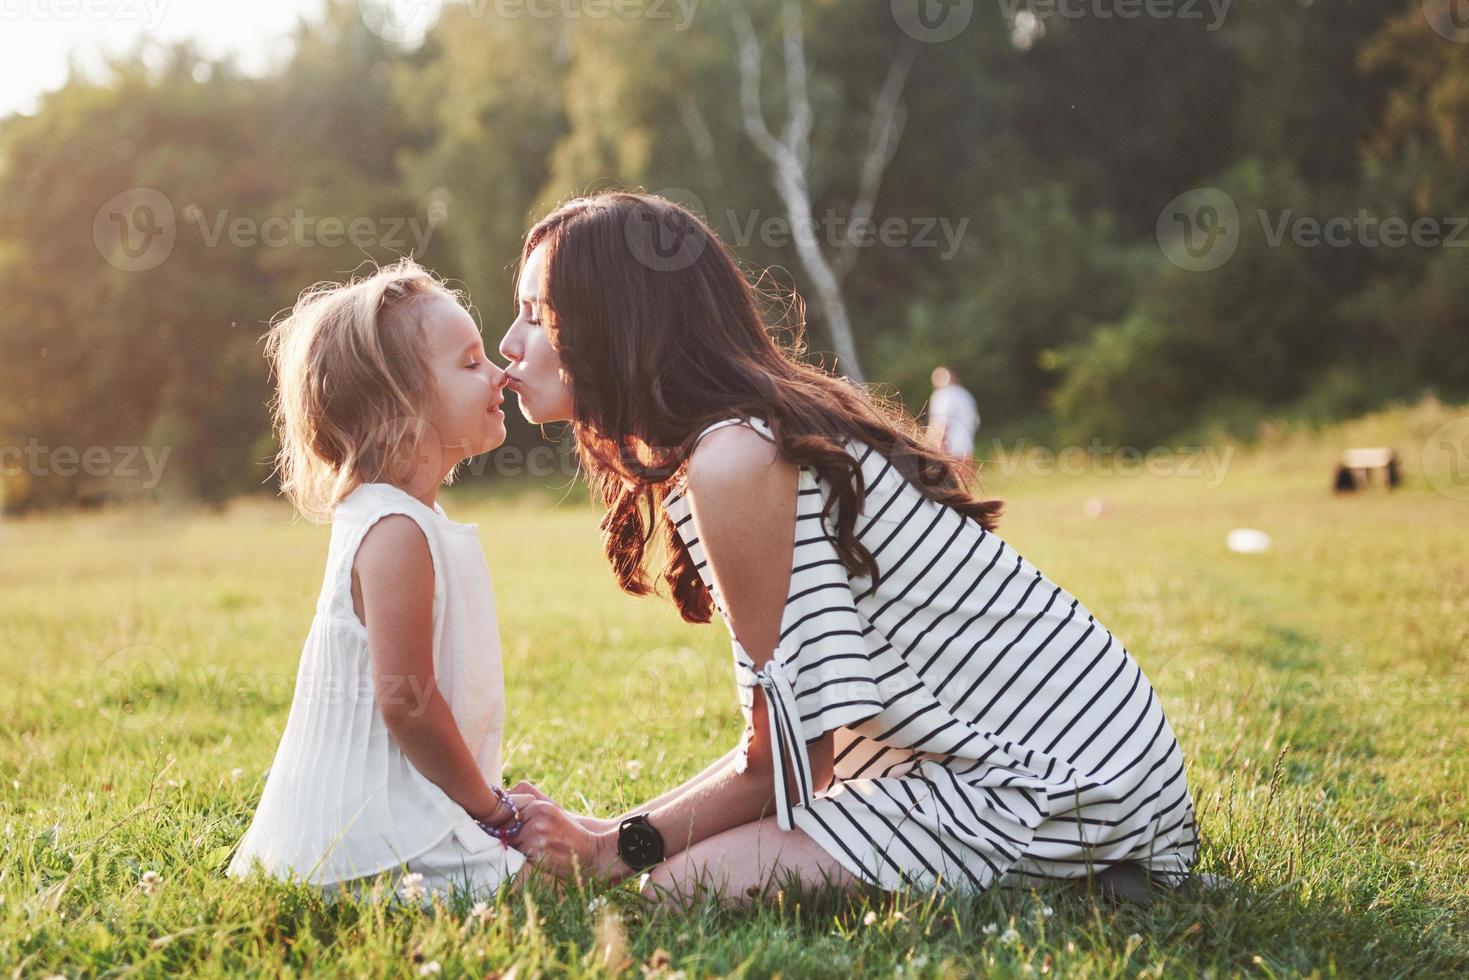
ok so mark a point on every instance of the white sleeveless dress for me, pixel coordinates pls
(987, 729)
(341, 800)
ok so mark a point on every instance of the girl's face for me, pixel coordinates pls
(466, 413)
(535, 373)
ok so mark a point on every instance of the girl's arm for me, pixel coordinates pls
(393, 594)
(743, 501)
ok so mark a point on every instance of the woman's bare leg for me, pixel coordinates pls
(747, 863)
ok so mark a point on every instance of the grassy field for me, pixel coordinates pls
(1319, 691)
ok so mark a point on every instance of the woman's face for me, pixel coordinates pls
(535, 373)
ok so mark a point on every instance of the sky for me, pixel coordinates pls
(37, 37)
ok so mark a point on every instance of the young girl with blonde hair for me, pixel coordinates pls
(391, 756)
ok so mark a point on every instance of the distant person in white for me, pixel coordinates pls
(953, 417)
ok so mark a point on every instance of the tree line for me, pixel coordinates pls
(1114, 219)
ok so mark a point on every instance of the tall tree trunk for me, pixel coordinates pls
(789, 157)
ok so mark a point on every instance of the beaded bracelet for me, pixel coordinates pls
(507, 830)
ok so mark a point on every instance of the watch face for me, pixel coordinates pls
(640, 845)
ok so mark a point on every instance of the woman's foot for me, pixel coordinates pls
(1125, 881)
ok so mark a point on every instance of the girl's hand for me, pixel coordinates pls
(557, 842)
(503, 813)
(595, 824)
(526, 788)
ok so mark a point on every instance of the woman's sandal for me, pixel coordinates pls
(1128, 881)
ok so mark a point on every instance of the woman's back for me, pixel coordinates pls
(986, 722)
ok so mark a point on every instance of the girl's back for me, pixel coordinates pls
(341, 800)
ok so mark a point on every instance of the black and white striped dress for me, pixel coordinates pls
(987, 728)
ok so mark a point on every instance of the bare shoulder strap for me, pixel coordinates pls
(758, 424)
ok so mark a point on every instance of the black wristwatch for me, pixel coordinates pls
(638, 843)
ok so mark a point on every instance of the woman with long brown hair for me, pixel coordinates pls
(923, 707)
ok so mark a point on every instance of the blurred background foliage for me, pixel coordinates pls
(1054, 143)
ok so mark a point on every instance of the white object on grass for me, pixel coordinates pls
(1247, 541)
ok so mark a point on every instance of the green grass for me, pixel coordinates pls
(1318, 690)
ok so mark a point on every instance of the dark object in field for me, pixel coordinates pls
(1357, 466)
(1128, 881)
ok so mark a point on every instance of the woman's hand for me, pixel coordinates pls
(595, 824)
(557, 842)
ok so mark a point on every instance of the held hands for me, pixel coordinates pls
(562, 843)
(594, 824)
(506, 821)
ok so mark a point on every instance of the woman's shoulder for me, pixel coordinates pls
(732, 458)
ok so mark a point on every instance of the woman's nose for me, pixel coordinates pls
(510, 346)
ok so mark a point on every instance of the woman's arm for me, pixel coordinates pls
(598, 824)
(743, 498)
(692, 783)
(393, 576)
